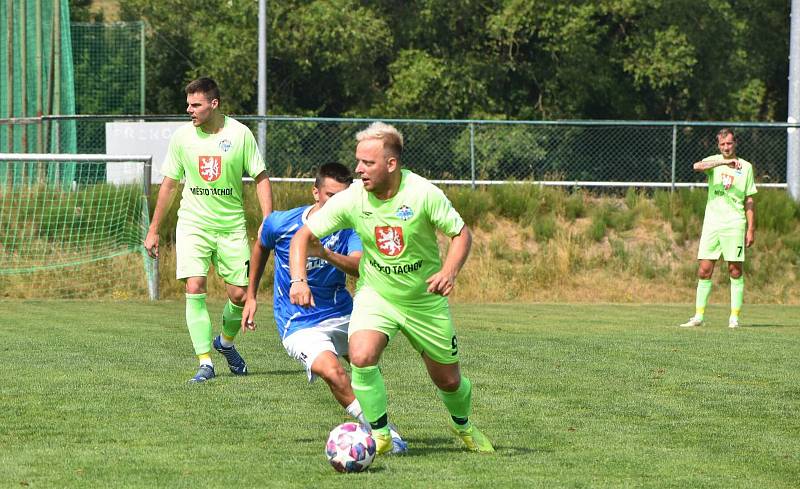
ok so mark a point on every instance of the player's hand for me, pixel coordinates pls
(441, 283)
(300, 295)
(249, 315)
(749, 238)
(151, 244)
(316, 249)
(735, 164)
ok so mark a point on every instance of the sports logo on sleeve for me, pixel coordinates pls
(210, 167)
(389, 240)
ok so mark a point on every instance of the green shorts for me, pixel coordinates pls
(429, 328)
(197, 248)
(728, 242)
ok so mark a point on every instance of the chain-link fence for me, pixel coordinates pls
(37, 74)
(52, 67)
(586, 153)
(109, 74)
(109, 67)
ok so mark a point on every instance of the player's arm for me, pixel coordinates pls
(258, 261)
(705, 165)
(346, 263)
(443, 281)
(750, 214)
(264, 193)
(300, 292)
(166, 194)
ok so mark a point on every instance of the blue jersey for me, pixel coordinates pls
(326, 281)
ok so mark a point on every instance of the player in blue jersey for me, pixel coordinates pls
(315, 336)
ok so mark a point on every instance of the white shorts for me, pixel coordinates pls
(306, 345)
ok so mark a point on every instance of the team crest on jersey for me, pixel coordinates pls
(225, 145)
(331, 241)
(210, 167)
(389, 240)
(404, 212)
(727, 181)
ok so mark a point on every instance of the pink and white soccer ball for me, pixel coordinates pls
(350, 448)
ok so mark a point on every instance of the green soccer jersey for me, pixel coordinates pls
(727, 190)
(398, 235)
(213, 165)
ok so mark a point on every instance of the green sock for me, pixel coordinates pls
(737, 295)
(703, 291)
(199, 322)
(458, 402)
(370, 391)
(231, 320)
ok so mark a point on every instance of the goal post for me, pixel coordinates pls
(75, 238)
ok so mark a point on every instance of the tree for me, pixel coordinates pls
(328, 57)
(514, 59)
(322, 55)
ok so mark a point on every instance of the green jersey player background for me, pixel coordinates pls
(728, 225)
(402, 282)
(212, 153)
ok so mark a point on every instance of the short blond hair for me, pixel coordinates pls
(724, 133)
(391, 137)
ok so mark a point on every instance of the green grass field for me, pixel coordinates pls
(94, 395)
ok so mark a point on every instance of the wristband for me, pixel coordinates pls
(296, 280)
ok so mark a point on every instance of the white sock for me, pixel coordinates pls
(354, 410)
(225, 343)
(207, 361)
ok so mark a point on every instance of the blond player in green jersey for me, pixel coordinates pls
(211, 153)
(728, 225)
(403, 284)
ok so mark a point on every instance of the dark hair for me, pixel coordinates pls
(334, 170)
(724, 132)
(206, 86)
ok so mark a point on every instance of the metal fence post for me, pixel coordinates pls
(262, 80)
(150, 264)
(674, 145)
(147, 176)
(141, 70)
(472, 152)
(792, 135)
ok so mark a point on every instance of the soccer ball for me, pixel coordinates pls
(350, 448)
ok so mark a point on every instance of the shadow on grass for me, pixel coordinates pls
(276, 372)
(445, 445)
(417, 451)
(769, 326)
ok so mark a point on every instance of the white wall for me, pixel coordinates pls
(138, 138)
